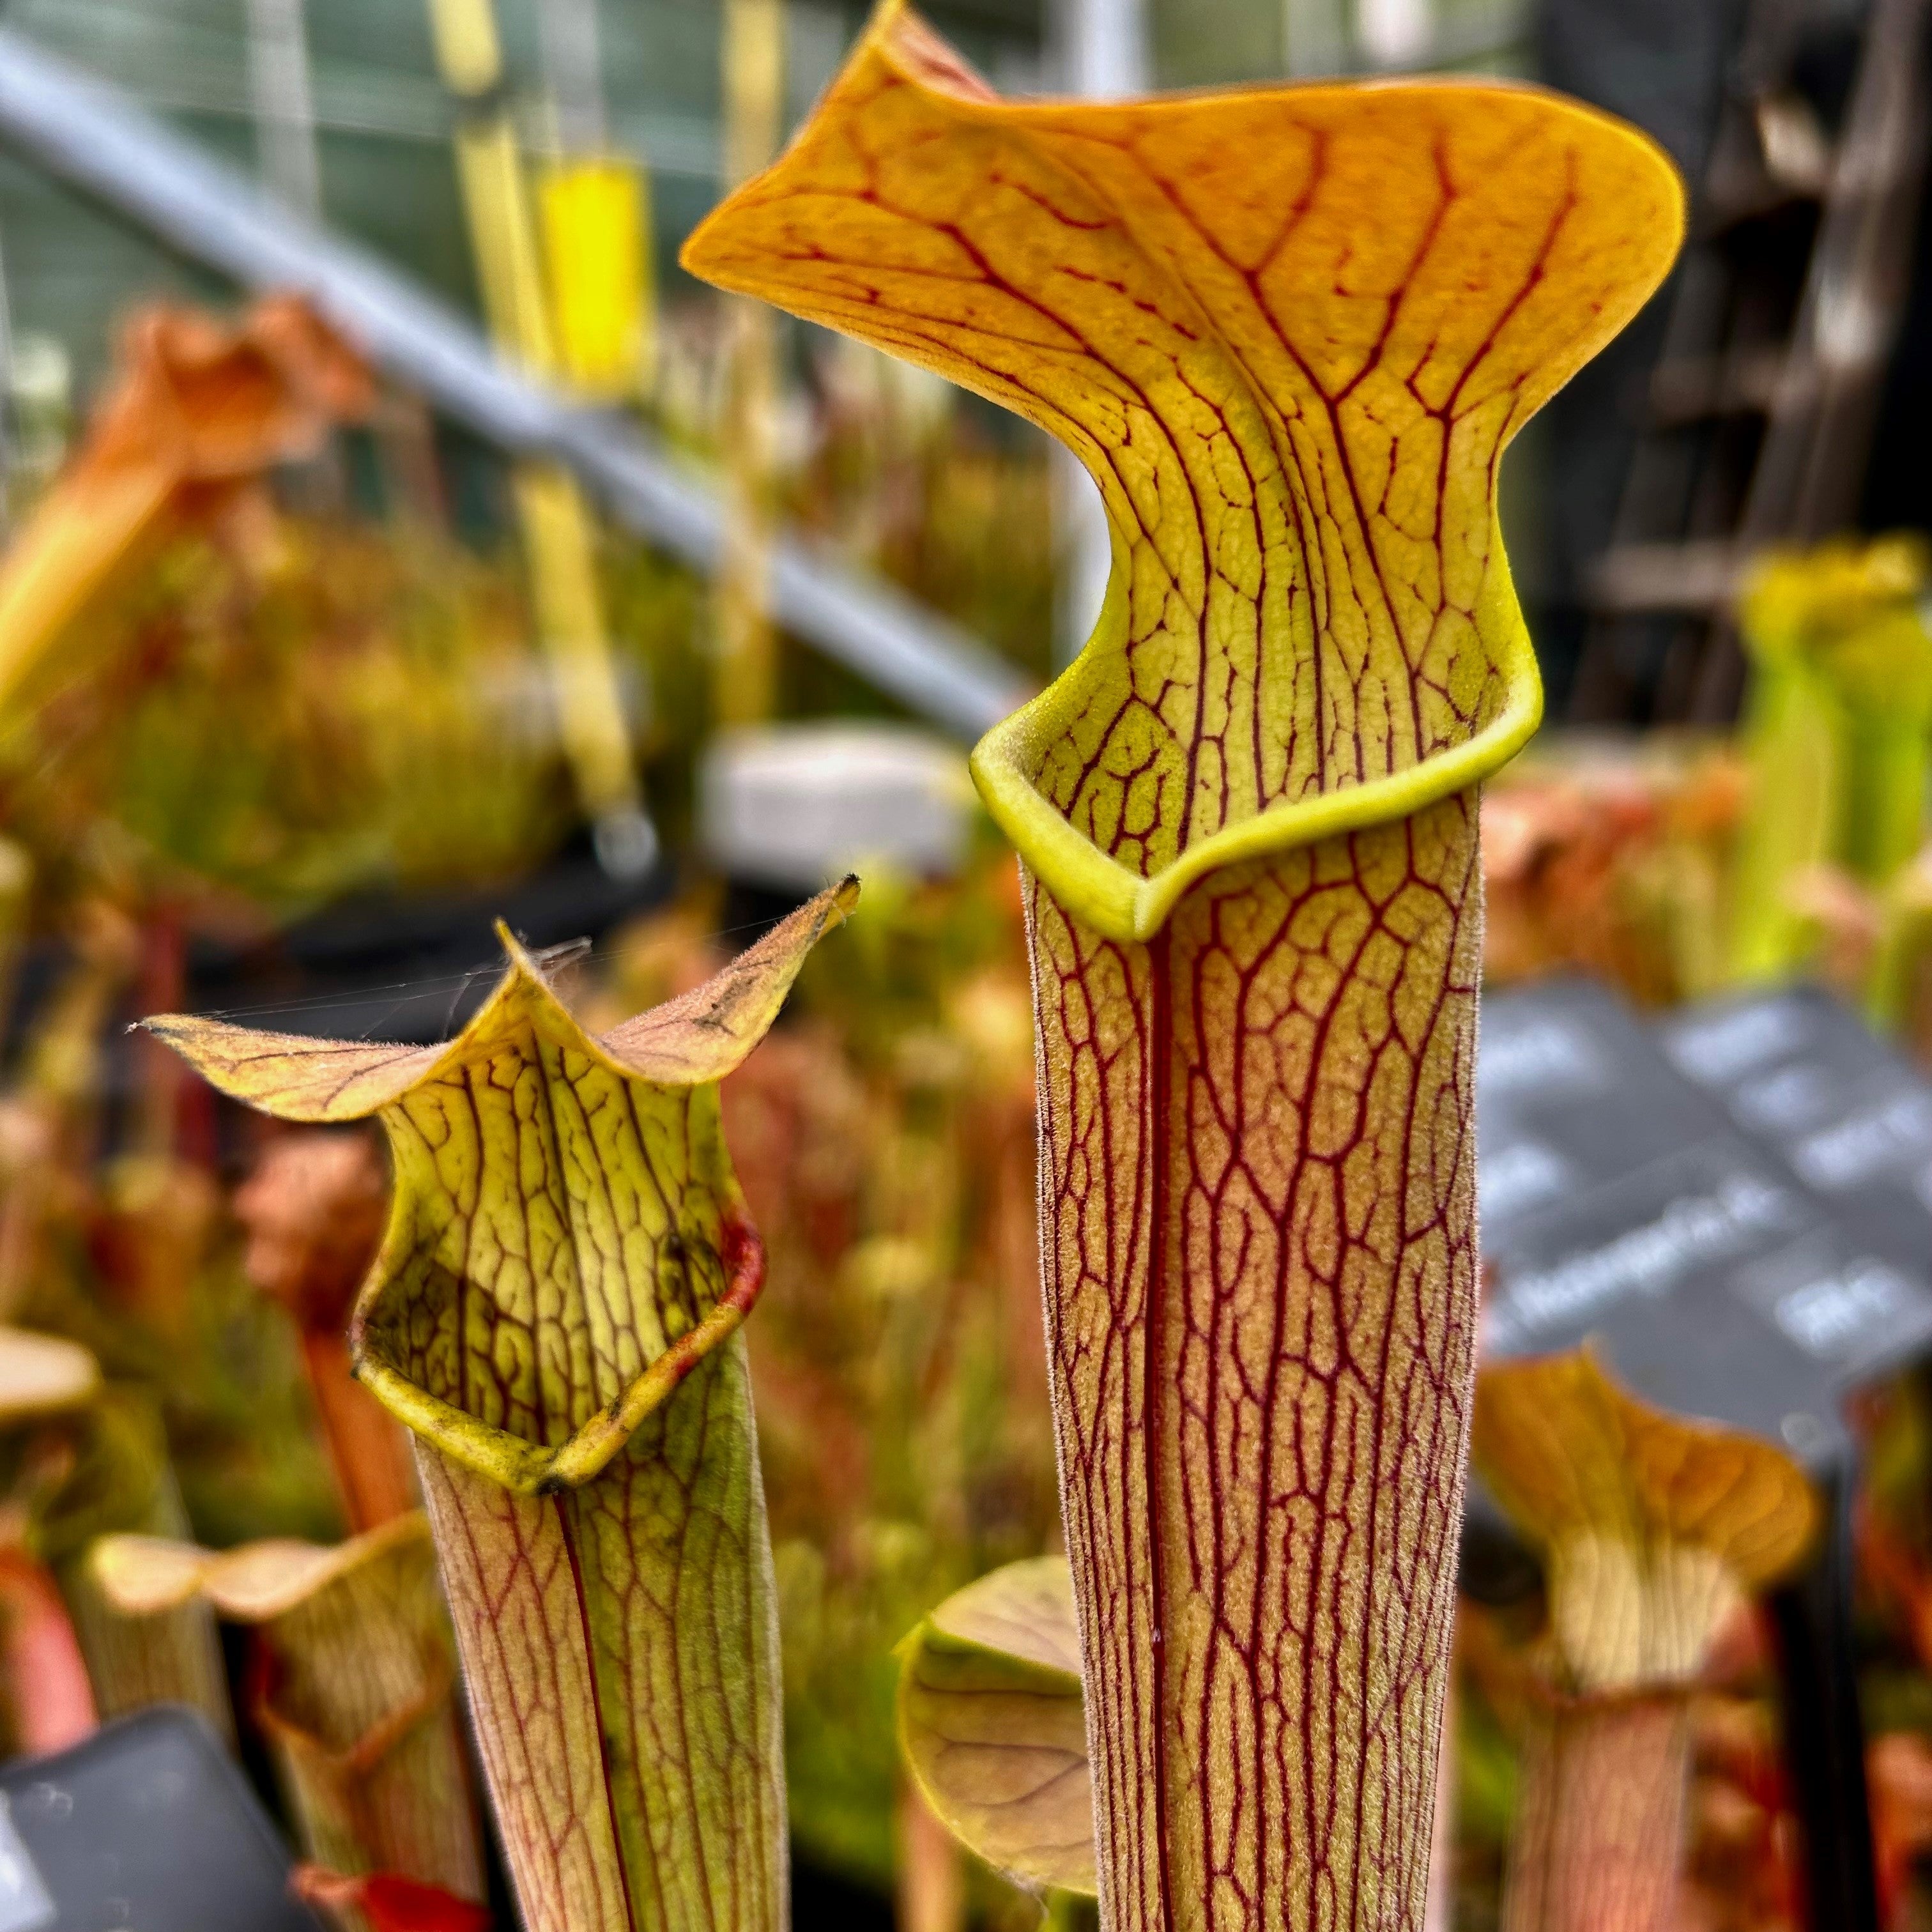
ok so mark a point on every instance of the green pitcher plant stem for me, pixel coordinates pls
(1597, 1839)
(1288, 331)
(554, 1311)
(1838, 730)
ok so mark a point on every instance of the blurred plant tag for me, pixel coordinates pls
(1800, 1074)
(1735, 1223)
(25, 1906)
(147, 1826)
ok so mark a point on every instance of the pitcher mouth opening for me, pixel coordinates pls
(1121, 903)
(528, 1468)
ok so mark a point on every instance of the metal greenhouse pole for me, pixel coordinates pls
(284, 102)
(91, 136)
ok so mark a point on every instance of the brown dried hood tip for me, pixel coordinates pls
(224, 401)
(198, 411)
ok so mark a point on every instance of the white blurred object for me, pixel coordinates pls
(795, 806)
(1394, 33)
(1083, 552)
(36, 413)
(39, 384)
(1105, 52)
(283, 95)
(1104, 47)
(626, 843)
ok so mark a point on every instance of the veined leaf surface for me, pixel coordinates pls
(993, 1728)
(1289, 331)
(554, 1311)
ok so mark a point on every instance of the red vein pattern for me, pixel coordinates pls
(1257, 1189)
(624, 1633)
(1289, 331)
(640, 1784)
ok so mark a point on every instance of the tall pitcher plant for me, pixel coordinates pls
(1289, 331)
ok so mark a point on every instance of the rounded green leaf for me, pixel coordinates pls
(993, 1728)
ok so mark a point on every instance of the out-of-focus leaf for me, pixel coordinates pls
(46, 1687)
(1898, 1771)
(1613, 858)
(993, 1728)
(312, 1209)
(41, 1375)
(885, 1139)
(1835, 729)
(398, 733)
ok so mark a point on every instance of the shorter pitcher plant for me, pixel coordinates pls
(554, 1311)
(1653, 1529)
